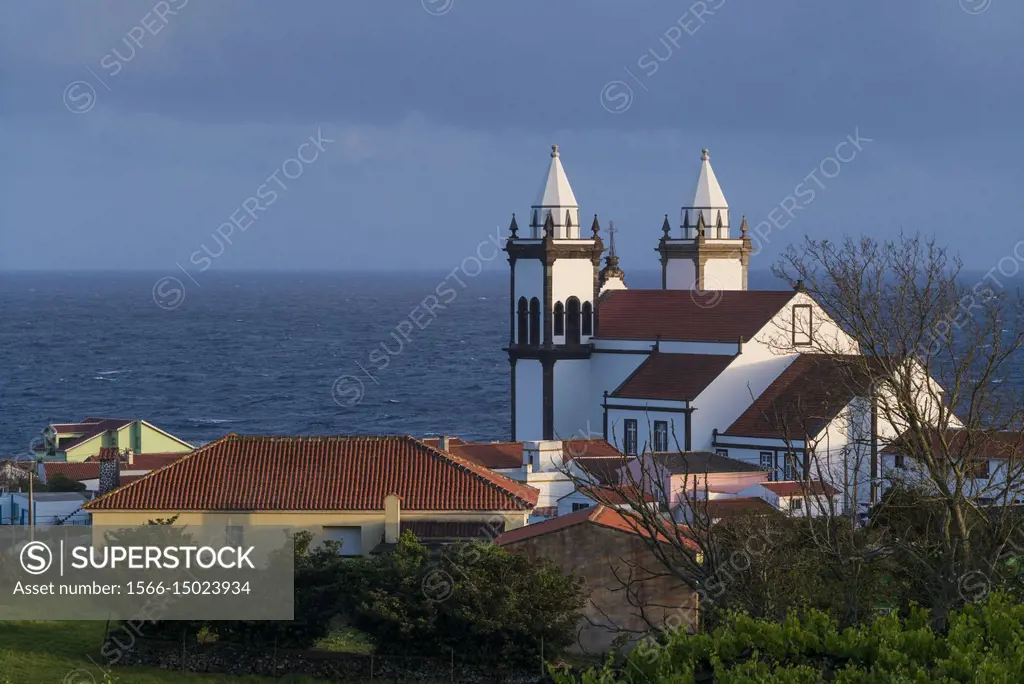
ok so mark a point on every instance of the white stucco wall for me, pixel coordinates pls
(723, 274)
(608, 371)
(529, 280)
(680, 274)
(645, 427)
(572, 409)
(529, 400)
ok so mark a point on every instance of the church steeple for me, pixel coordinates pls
(554, 287)
(557, 199)
(611, 276)
(704, 256)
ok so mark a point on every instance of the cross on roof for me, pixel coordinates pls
(611, 238)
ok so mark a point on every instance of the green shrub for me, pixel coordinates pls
(984, 645)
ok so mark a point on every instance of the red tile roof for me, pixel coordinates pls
(963, 443)
(604, 469)
(790, 488)
(615, 496)
(256, 473)
(673, 377)
(447, 529)
(596, 515)
(510, 454)
(806, 396)
(685, 316)
(144, 461)
(723, 508)
(76, 471)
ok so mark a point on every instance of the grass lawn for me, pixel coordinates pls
(57, 653)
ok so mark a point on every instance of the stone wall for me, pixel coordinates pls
(608, 560)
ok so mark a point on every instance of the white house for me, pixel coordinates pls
(692, 366)
(51, 508)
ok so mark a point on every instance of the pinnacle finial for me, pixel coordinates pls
(700, 224)
(665, 227)
(743, 226)
(513, 229)
(595, 227)
(704, 154)
(554, 150)
(549, 227)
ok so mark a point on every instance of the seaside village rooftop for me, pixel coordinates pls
(699, 401)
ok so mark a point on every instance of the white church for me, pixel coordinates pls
(694, 366)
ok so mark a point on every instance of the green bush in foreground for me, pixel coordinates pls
(985, 645)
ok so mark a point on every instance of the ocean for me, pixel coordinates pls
(260, 353)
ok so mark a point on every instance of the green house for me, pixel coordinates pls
(74, 442)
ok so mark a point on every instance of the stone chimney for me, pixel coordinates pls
(110, 470)
(129, 456)
(442, 442)
(392, 518)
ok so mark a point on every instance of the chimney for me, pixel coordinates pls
(110, 470)
(129, 454)
(442, 442)
(392, 518)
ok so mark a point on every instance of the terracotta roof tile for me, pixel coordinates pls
(76, 471)
(445, 529)
(979, 443)
(805, 397)
(679, 315)
(725, 507)
(510, 454)
(673, 377)
(319, 473)
(596, 515)
(697, 462)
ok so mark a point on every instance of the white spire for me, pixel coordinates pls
(710, 200)
(556, 197)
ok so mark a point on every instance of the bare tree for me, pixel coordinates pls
(934, 350)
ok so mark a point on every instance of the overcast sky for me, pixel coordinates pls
(131, 131)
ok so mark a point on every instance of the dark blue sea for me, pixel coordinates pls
(260, 353)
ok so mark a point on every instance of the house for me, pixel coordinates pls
(15, 474)
(356, 490)
(547, 466)
(131, 467)
(987, 460)
(798, 499)
(76, 442)
(51, 508)
(606, 549)
(701, 364)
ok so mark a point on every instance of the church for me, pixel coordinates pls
(696, 365)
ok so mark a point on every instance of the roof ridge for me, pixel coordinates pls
(485, 475)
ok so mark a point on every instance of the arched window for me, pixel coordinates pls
(522, 322)
(559, 318)
(587, 327)
(572, 323)
(535, 321)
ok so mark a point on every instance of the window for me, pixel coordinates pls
(629, 437)
(579, 506)
(572, 322)
(802, 324)
(233, 535)
(535, 321)
(768, 463)
(559, 318)
(722, 452)
(588, 318)
(796, 503)
(899, 461)
(978, 471)
(789, 467)
(522, 322)
(661, 435)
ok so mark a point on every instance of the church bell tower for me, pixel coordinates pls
(704, 255)
(554, 290)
